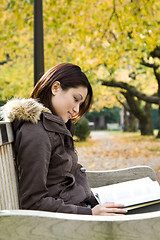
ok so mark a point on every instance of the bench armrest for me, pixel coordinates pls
(102, 178)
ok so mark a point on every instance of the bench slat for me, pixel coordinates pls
(6, 135)
(8, 181)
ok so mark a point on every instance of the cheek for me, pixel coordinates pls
(69, 103)
(69, 106)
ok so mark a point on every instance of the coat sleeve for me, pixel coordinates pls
(33, 152)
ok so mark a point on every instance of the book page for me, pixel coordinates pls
(129, 193)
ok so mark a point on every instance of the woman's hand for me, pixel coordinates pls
(109, 209)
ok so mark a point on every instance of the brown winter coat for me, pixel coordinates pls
(50, 179)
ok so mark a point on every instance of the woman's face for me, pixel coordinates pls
(66, 103)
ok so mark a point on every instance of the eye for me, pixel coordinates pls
(76, 99)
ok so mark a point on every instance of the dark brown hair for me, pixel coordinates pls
(69, 76)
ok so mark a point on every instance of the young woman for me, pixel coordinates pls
(50, 179)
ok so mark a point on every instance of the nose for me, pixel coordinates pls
(76, 108)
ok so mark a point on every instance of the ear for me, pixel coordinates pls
(56, 86)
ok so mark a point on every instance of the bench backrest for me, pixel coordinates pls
(8, 180)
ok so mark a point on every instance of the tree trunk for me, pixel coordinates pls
(126, 121)
(157, 74)
(130, 122)
(158, 135)
(143, 115)
(146, 124)
(133, 123)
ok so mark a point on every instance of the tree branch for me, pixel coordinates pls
(150, 65)
(114, 13)
(134, 105)
(107, 27)
(132, 90)
(125, 105)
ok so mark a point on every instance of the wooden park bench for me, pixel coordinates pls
(113, 126)
(16, 224)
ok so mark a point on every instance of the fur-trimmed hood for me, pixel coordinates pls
(23, 110)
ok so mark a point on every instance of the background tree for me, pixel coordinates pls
(144, 116)
(103, 37)
(130, 122)
(153, 62)
(16, 52)
(142, 113)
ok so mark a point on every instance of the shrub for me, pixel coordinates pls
(82, 130)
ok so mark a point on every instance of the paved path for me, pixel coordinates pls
(94, 157)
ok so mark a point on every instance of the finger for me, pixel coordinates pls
(114, 210)
(113, 204)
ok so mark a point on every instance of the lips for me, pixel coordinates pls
(70, 115)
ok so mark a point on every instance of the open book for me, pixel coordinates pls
(133, 194)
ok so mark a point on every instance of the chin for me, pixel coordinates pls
(66, 120)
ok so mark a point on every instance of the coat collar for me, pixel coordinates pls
(54, 123)
(21, 109)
